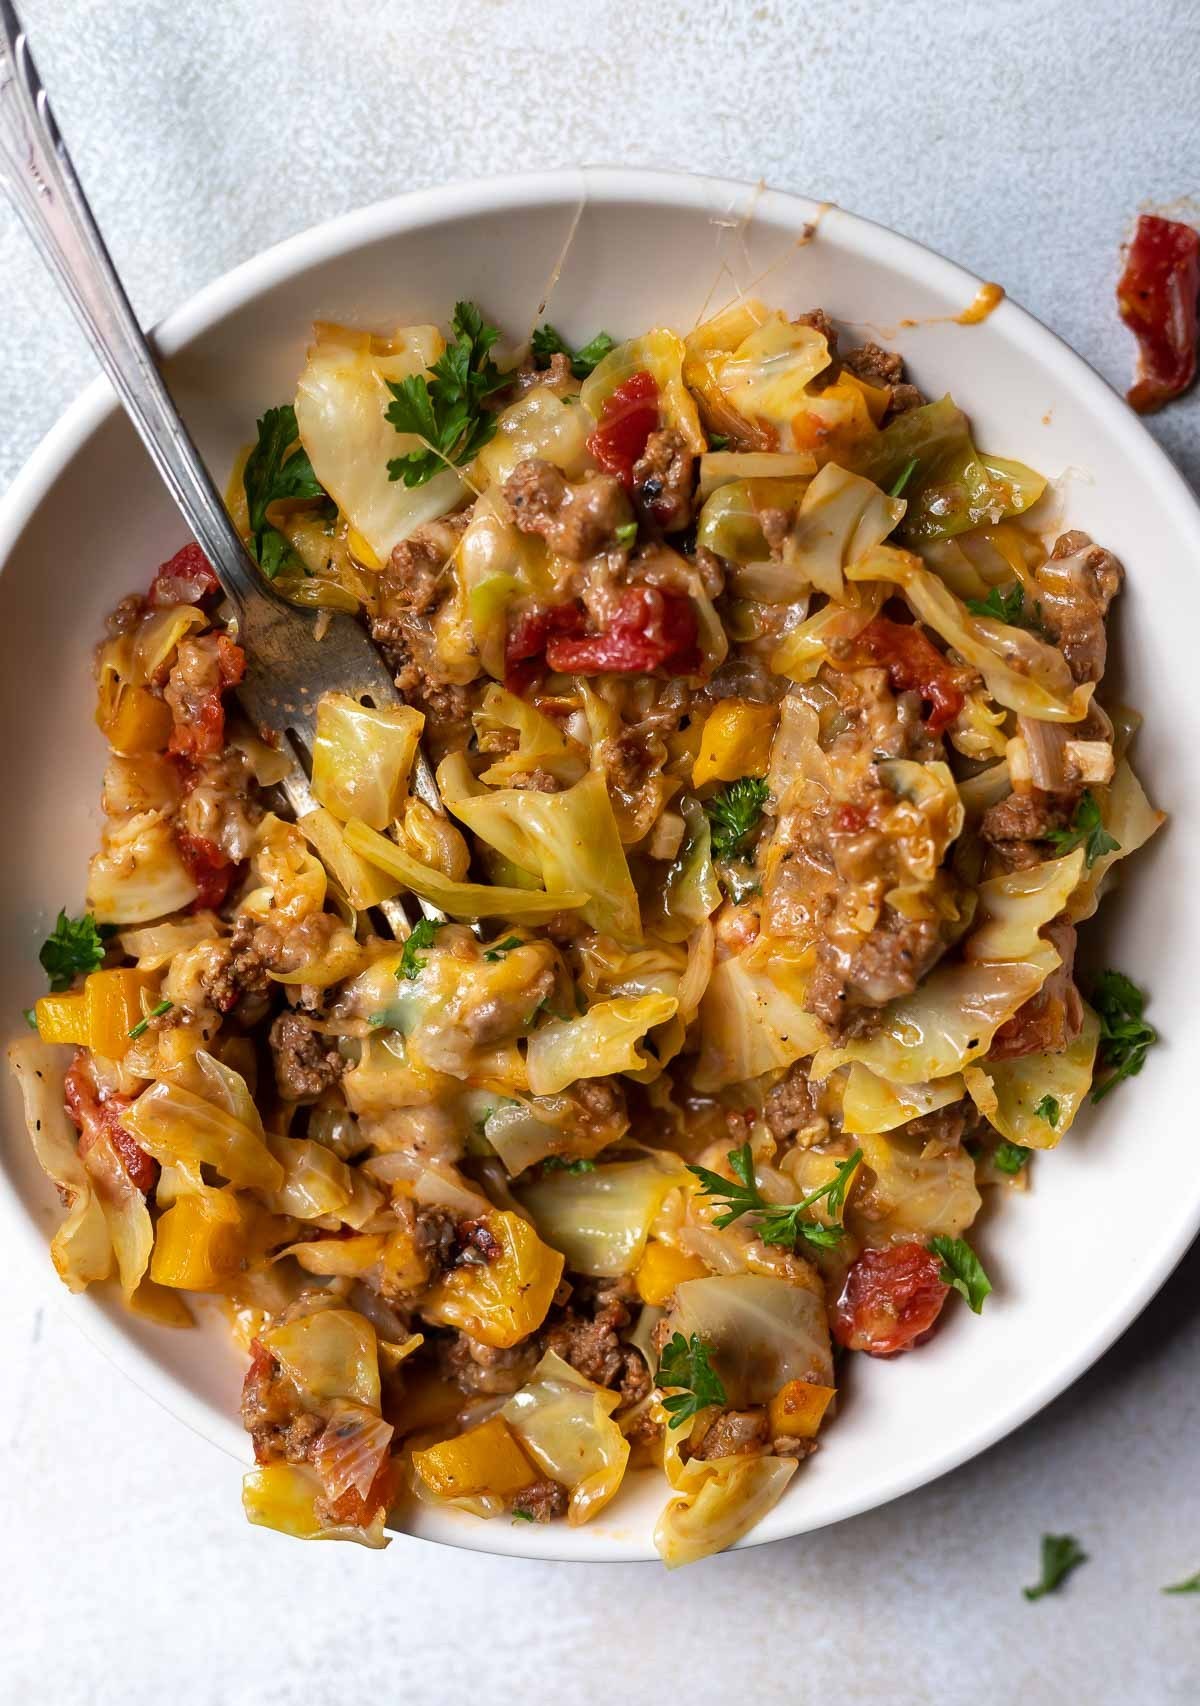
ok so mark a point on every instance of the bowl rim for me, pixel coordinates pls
(511, 192)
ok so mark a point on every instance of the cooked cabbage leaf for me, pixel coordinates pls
(565, 1424)
(570, 839)
(601, 1041)
(601, 1219)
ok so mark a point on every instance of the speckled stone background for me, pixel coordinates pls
(1020, 137)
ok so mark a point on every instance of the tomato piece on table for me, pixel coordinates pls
(627, 418)
(1159, 299)
(890, 1299)
(186, 578)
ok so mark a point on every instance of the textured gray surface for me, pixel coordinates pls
(1019, 138)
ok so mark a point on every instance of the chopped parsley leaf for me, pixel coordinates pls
(1010, 1157)
(962, 1269)
(561, 1164)
(1061, 1553)
(547, 342)
(75, 945)
(1048, 1110)
(734, 815)
(778, 1223)
(718, 441)
(684, 1365)
(1003, 606)
(1086, 829)
(1124, 1035)
(902, 479)
(500, 949)
(523, 1516)
(626, 533)
(446, 410)
(420, 936)
(143, 1025)
(277, 467)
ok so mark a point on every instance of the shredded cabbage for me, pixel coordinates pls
(760, 1332)
(599, 1042)
(362, 757)
(565, 1424)
(601, 1219)
(341, 404)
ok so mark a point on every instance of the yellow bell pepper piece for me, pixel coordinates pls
(876, 397)
(486, 1459)
(661, 1269)
(114, 1008)
(198, 1242)
(361, 551)
(138, 722)
(405, 1267)
(501, 1300)
(63, 1018)
(428, 1402)
(736, 742)
(796, 1410)
(283, 1496)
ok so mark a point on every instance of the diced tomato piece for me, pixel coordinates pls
(650, 629)
(202, 736)
(186, 578)
(627, 418)
(1159, 298)
(890, 1299)
(351, 1508)
(96, 1115)
(526, 641)
(849, 819)
(231, 660)
(914, 665)
(202, 733)
(209, 868)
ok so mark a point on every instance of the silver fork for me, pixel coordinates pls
(287, 667)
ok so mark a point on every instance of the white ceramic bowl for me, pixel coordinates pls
(1113, 1210)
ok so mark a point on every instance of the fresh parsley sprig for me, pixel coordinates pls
(961, 1269)
(421, 936)
(1085, 830)
(1125, 1037)
(782, 1224)
(447, 410)
(685, 1366)
(277, 467)
(734, 815)
(546, 342)
(74, 946)
(1061, 1553)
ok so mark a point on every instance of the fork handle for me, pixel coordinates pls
(36, 170)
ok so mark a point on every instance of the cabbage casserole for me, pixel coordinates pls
(775, 788)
